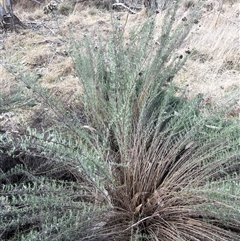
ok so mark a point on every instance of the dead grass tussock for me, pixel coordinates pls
(68, 89)
(51, 77)
(4, 75)
(19, 46)
(84, 22)
(80, 8)
(34, 39)
(39, 56)
(26, 4)
(66, 67)
(13, 42)
(58, 71)
(35, 14)
(65, 8)
(7, 80)
(71, 83)
(213, 40)
(197, 78)
(73, 19)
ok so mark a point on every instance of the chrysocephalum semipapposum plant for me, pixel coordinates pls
(171, 165)
(135, 161)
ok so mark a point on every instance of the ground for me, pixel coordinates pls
(213, 70)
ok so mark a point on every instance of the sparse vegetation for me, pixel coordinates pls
(129, 155)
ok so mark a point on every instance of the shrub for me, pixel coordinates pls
(144, 164)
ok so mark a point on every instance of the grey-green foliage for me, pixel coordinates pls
(46, 209)
(125, 80)
(13, 99)
(135, 162)
(125, 74)
(16, 94)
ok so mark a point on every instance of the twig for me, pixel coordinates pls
(49, 29)
(230, 19)
(36, 1)
(124, 6)
(135, 224)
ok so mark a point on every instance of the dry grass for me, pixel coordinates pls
(6, 77)
(214, 68)
(26, 4)
(154, 196)
(58, 71)
(38, 57)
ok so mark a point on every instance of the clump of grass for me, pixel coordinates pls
(65, 8)
(189, 3)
